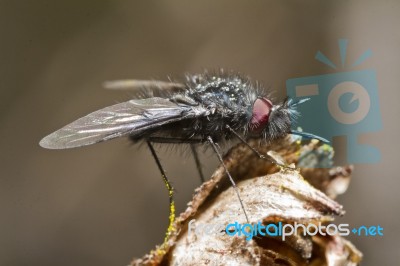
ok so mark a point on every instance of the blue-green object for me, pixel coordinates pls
(342, 104)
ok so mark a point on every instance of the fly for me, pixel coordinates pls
(207, 108)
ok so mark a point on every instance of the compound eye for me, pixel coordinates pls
(261, 110)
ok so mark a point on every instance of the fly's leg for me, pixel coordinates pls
(216, 149)
(261, 156)
(171, 227)
(183, 141)
(198, 164)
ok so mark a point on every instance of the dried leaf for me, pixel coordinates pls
(269, 197)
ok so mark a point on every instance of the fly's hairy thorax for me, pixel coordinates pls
(229, 100)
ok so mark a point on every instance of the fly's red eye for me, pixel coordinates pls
(261, 109)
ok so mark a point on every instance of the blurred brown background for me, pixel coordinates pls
(104, 204)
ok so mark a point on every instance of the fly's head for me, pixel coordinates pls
(271, 121)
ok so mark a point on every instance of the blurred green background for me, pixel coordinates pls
(105, 204)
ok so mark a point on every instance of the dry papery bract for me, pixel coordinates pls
(270, 195)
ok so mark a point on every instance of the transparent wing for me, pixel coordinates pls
(146, 88)
(134, 84)
(127, 118)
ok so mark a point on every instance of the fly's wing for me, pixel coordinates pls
(118, 120)
(146, 88)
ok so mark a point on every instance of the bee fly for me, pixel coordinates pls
(207, 108)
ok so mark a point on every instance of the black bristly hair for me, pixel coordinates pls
(229, 98)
